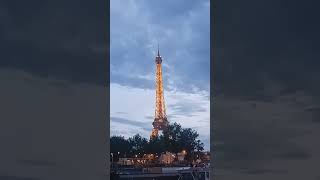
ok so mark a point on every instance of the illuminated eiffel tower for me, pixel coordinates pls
(160, 120)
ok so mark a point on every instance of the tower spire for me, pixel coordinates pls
(158, 50)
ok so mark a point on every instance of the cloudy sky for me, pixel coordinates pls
(53, 98)
(182, 29)
(266, 90)
(54, 68)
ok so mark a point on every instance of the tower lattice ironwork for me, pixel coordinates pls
(160, 120)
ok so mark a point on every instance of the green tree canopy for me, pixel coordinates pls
(138, 144)
(174, 139)
(119, 144)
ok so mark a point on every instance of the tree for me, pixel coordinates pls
(119, 144)
(174, 139)
(177, 139)
(171, 136)
(156, 146)
(138, 144)
(189, 142)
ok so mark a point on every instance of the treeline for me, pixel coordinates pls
(175, 139)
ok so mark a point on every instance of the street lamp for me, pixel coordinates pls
(118, 156)
(111, 159)
(184, 152)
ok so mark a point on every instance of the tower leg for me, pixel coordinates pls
(154, 133)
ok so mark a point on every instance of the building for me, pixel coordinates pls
(132, 161)
(181, 156)
(167, 158)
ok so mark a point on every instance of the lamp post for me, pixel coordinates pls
(111, 160)
(119, 158)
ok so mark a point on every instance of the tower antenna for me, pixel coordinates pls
(158, 50)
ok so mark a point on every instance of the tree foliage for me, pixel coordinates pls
(138, 144)
(174, 139)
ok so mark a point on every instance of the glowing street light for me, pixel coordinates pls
(111, 159)
(184, 152)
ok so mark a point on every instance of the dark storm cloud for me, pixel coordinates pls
(273, 40)
(59, 39)
(52, 127)
(186, 108)
(129, 122)
(178, 9)
(266, 77)
(43, 135)
(246, 137)
(182, 33)
(133, 82)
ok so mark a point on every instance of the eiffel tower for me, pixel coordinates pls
(160, 122)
